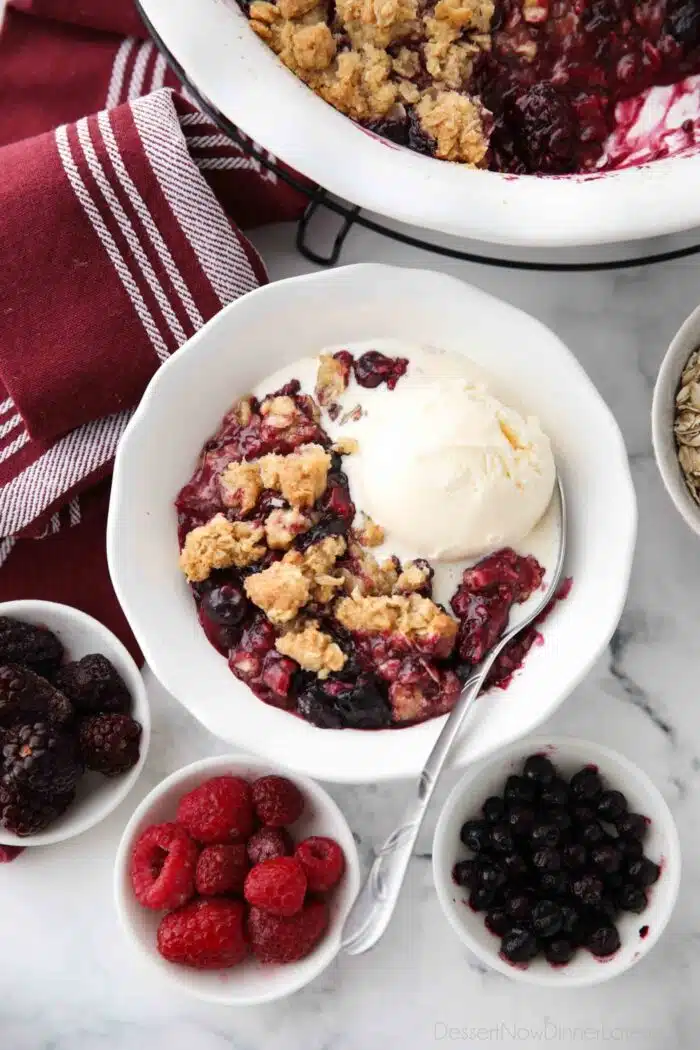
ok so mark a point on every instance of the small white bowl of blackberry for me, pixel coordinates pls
(74, 723)
(557, 862)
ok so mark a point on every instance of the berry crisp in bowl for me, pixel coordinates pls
(358, 501)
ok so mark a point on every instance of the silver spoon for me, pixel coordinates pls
(374, 906)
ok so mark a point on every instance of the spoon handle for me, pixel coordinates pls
(374, 906)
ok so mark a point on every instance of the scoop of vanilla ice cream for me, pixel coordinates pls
(450, 471)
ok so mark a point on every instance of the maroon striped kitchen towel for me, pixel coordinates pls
(121, 236)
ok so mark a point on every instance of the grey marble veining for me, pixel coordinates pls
(69, 981)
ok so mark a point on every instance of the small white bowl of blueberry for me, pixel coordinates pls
(74, 723)
(557, 862)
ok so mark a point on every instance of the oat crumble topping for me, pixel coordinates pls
(331, 380)
(218, 545)
(346, 446)
(414, 617)
(413, 578)
(370, 534)
(241, 486)
(300, 477)
(283, 526)
(280, 591)
(366, 575)
(312, 649)
(456, 123)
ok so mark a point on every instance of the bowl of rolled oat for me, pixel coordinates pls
(675, 421)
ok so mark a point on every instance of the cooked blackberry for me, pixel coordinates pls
(464, 873)
(493, 809)
(41, 759)
(519, 945)
(559, 951)
(643, 872)
(109, 744)
(29, 646)
(612, 805)
(631, 898)
(475, 835)
(94, 686)
(27, 697)
(546, 919)
(540, 769)
(336, 703)
(24, 813)
(586, 785)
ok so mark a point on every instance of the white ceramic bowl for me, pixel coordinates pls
(275, 325)
(662, 417)
(243, 83)
(97, 796)
(251, 982)
(661, 845)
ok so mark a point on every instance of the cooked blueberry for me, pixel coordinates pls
(631, 898)
(521, 819)
(494, 809)
(588, 889)
(603, 941)
(519, 945)
(559, 951)
(592, 834)
(481, 898)
(539, 769)
(545, 835)
(225, 605)
(632, 849)
(464, 873)
(632, 825)
(555, 883)
(607, 857)
(519, 906)
(518, 789)
(560, 818)
(570, 921)
(612, 805)
(586, 785)
(502, 838)
(574, 856)
(582, 815)
(546, 918)
(556, 793)
(547, 859)
(497, 922)
(643, 872)
(515, 866)
(475, 835)
(490, 875)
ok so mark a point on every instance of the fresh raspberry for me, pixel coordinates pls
(109, 744)
(206, 934)
(277, 885)
(323, 862)
(218, 811)
(277, 801)
(221, 869)
(268, 843)
(8, 853)
(274, 939)
(163, 864)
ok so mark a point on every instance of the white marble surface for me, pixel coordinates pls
(68, 981)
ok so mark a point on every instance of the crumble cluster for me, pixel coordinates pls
(379, 60)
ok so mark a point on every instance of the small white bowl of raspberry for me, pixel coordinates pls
(233, 880)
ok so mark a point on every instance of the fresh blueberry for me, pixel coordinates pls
(539, 769)
(518, 789)
(586, 785)
(519, 906)
(546, 919)
(464, 873)
(555, 883)
(559, 951)
(643, 872)
(475, 835)
(631, 898)
(574, 856)
(556, 793)
(497, 922)
(592, 834)
(603, 940)
(493, 809)
(632, 825)
(612, 805)
(588, 889)
(515, 866)
(481, 898)
(521, 819)
(547, 859)
(519, 945)
(545, 835)
(607, 857)
(502, 838)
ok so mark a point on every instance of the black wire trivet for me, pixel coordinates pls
(351, 214)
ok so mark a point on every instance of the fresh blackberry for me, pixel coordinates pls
(41, 759)
(109, 744)
(94, 686)
(29, 646)
(27, 697)
(24, 813)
